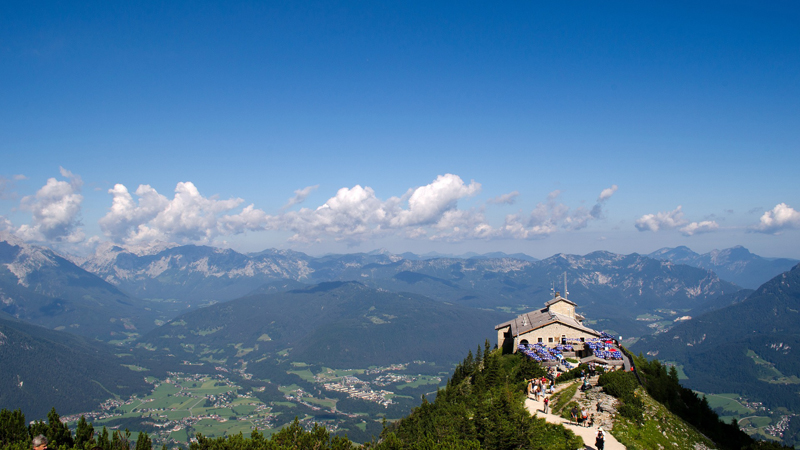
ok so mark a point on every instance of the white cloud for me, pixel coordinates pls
(352, 215)
(607, 193)
(428, 203)
(505, 199)
(516, 227)
(55, 211)
(125, 216)
(781, 217)
(300, 196)
(705, 226)
(5, 224)
(356, 214)
(188, 217)
(667, 220)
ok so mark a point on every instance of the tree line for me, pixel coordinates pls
(16, 435)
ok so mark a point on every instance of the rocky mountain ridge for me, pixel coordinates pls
(736, 264)
(39, 286)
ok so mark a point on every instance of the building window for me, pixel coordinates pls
(583, 339)
(550, 340)
(540, 340)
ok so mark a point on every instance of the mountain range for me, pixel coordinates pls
(610, 287)
(119, 293)
(172, 307)
(751, 347)
(41, 287)
(735, 264)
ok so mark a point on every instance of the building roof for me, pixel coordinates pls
(536, 319)
(560, 299)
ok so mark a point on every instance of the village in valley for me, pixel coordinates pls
(184, 404)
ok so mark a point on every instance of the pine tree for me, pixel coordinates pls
(84, 434)
(103, 440)
(120, 440)
(469, 363)
(143, 442)
(12, 427)
(58, 433)
(673, 374)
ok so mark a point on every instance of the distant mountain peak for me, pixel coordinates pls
(12, 239)
(380, 251)
(27, 259)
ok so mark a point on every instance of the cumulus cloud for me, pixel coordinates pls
(300, 196)
(188, 217)
(55, 211)
(782, 217)
(356, 213)
(428, 203)
(505, 199)
(352, 215)
(667, 220)
(705, 226)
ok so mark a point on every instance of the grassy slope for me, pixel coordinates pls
(661, 429)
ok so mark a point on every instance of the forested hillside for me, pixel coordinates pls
(337, 324)
(41, 369)
(750, 347)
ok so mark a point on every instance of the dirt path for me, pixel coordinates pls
(536, 408)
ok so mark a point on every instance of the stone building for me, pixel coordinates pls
(554, 324)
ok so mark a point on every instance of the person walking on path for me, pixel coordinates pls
(600, 440)
(546, 404)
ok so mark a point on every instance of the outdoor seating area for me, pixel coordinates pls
(540, 353)
(604, 349)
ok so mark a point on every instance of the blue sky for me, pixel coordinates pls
(450, 127)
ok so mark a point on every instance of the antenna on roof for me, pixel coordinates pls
(566, 292)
